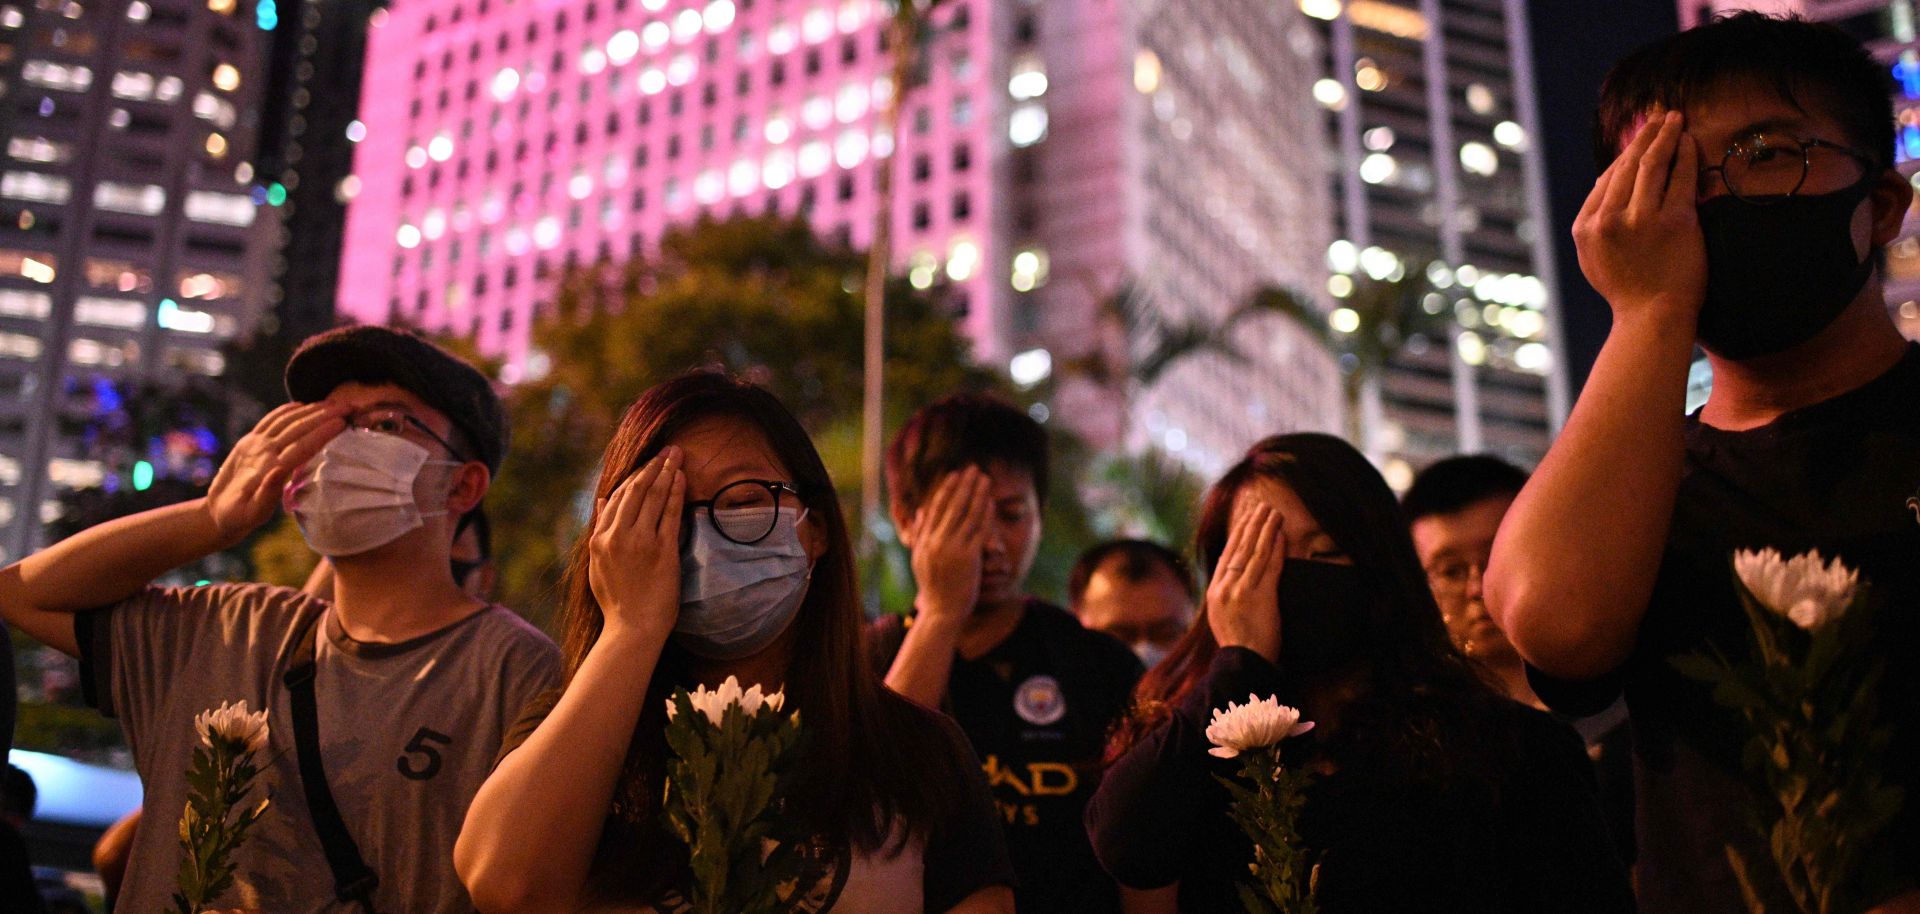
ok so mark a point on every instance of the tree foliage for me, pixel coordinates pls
(761, 297)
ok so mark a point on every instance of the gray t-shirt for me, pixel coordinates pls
(408, 732)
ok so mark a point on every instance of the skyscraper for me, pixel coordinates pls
(131, 239)
(1441, 185)
(1057, 154)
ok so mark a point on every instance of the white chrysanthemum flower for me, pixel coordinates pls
(1259, 723)
(713, 703)
(1805, 588)
(235, 723)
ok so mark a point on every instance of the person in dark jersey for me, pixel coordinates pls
(1430, 792)
(718, 549)
(1034, 691)
(1750, 195)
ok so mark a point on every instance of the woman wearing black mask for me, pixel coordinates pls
(1430, 792)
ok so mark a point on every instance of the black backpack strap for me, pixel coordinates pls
(353, 879)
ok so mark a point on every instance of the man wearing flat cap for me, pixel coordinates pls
(386, 704)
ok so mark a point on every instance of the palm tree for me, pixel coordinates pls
(908, 29)
(1385, 314)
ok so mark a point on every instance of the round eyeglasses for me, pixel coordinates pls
(1770, 166)
(745, 511)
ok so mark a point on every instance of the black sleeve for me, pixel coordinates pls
(970, 852)
(1561, 854)
(17, 891)
(1154, 790)
(1576, 697)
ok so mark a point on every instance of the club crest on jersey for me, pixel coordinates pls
(1039, 701)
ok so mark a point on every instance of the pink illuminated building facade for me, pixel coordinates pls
(1059, 152)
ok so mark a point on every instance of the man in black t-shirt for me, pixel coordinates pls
(1750, 195)
(1034, 691)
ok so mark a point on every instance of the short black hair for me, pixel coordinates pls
(18, 795)
(1788, 53)
(958, 431)
(1138, 558)
(1456, 482)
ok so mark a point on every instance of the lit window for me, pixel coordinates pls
(743, 178)
(850, 149)
(124, 313)
(1146, 72)
(962, 259)
(138, 11)
(1510, 135)
(851, 103)
(226, 77)
(593, 61)
(653, 82)
(779, 129)
(814, 159)
(19, 346)
(1378, 168)
(1328, 10)
(133, 86)
(49, 75)
(1368, 75)
(407, 236)
(171, 316)
(686, 25)
(1480, 99)
(1378, 139)
(1479, 158)
(778, 170)
(623, 46)
(212, 108)
(1029, 270)
(718, 16)
(817, 112)
(169, 89)
(208, 285)
(38, 149)
(1028, 80)
(216, 145)
(440, 148)
(681, 70)
(782, 38)
(219, 208)
(21, 303)
(817, 26)
(505, 82)
(34, 186)
(1027, 125)
(656, 35)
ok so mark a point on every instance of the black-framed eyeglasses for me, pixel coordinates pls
(1769, 167)
(744, 511)
(389, 421)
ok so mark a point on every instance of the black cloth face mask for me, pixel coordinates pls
(1326, 616)
(1779, 273)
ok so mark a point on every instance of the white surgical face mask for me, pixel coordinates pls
(359, 493)
(1150, 653)
(736, 599)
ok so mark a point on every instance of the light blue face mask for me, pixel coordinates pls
(736, 599)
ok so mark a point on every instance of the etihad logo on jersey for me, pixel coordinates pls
(1011, 786)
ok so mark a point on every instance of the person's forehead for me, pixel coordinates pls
(1009, 481)
(723, 449)
(1737, 107)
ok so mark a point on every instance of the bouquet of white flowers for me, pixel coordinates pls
(733, 755)
(215, 822)
(1267, 797)
(1815, 740)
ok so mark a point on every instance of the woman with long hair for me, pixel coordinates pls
(718, 548)
(1429, 791)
